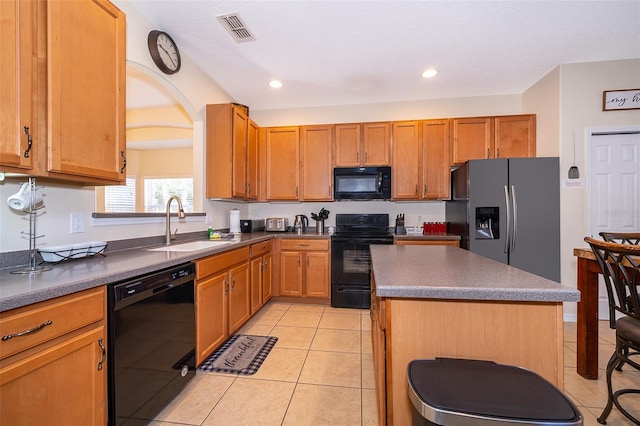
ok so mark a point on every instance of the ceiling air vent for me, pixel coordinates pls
(234, 25)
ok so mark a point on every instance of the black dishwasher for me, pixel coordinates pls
(151, 342)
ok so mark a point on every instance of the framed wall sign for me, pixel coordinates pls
(613, 100)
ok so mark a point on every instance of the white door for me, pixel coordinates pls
(614, 188)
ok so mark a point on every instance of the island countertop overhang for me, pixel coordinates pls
(443, 272)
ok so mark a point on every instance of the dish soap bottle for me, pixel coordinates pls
(210, 233)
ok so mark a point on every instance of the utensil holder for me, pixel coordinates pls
(320, 227)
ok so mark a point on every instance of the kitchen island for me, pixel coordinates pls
(440, 301)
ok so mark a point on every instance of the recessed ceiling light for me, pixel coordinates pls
(276, 84)
(429, 73)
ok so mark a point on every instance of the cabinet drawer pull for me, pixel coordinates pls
(104, 353)
(124, 162)
(30, 331)
(29, 141)
(303, 245)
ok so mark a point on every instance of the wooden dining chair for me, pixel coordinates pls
(620, 265)
(620, 238)
(632, 238)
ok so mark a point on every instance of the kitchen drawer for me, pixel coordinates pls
(298, 245)
(219, 262)
(258, 249)
(49, 319)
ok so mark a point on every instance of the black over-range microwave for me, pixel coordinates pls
(362, 183)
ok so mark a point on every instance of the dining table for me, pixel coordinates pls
(587, 320)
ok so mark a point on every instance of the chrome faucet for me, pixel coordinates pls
(181, 215)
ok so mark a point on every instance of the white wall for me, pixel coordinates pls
(580, 109)
(568, 101)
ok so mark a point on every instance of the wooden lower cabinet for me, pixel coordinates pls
(408, 329)
(261, 267)
(57, 375)
(305, 268)
(223, 302)
(378, 342)
(211, 314)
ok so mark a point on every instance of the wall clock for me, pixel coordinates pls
(164, 52)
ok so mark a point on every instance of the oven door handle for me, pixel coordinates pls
(354, 290)
(388, 241)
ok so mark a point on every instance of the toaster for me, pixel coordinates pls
(276, 224)
(251, 225)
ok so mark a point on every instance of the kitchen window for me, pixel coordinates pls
(121, 199)
(158, 191)
(153, 199)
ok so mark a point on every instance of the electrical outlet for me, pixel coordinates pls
(419, 220)
(77, 223)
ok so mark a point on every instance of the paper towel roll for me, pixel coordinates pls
(234, 221)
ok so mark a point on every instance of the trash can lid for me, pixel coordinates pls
(444, 387)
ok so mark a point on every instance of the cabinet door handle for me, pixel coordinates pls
(233, 283)
(124, 161)
(299, 261)
(104, 353)
(424, 191)
(488, 153)
(497, 152)
(366, 157)
(29, 141)
(358, 157)
(307, 262)
(416, 189)
(30, 331)
(226, 286)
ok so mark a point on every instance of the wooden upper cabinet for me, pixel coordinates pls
(471, 139)
(362, 144)
(315, 151)
(515, 136)
(239, 123)
(347, 145)
(376, 141)
(231, 152)
(282, 156)
(17, 84)
(493, 137)
(252, 160)
(436, 170)
(405, 169)
(86, 89)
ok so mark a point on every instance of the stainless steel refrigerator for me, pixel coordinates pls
(509, 210)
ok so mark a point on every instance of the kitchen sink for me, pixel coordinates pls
(193, 246)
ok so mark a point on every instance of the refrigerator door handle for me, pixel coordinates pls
(514, 234)
(507, 239)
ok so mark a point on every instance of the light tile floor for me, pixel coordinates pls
(321, 373)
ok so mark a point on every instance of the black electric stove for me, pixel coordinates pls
(351, 257)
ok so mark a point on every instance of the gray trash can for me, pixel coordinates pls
(446, 392)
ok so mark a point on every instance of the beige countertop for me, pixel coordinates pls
(445, 272)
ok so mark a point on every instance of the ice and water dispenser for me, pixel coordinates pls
(487, 223)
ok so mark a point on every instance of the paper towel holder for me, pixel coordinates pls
(34, 203)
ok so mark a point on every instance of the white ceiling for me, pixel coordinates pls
(357, 52)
